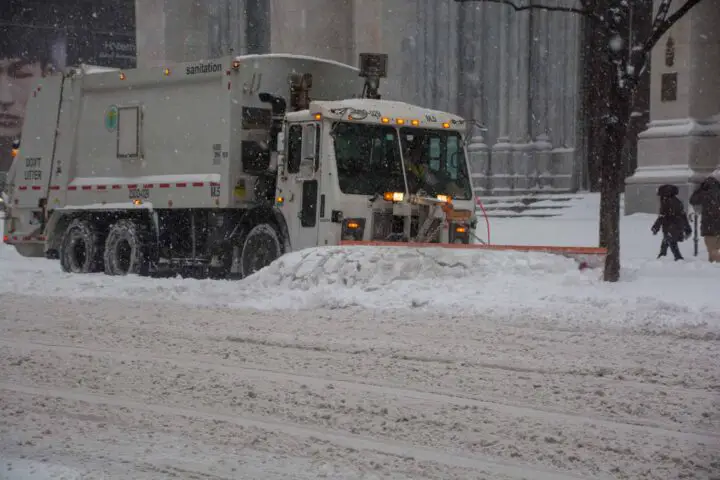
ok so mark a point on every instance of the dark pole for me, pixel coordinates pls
(696, 237)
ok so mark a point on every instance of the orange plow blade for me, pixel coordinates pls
(586, 257)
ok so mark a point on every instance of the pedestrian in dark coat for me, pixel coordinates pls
(672, 220)
(707, 198)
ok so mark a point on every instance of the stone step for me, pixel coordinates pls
(536, 206)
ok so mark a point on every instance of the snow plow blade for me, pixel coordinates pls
(586, 257)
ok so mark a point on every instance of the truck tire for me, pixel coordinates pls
(81, 248)
(261, 247)
(126, 249)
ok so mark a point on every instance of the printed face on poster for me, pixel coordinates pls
(41, 36)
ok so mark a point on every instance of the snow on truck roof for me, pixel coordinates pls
(386, 111)
(260, 56)
(94, 69)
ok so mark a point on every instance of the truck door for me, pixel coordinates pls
(34, 164)
(302, 188)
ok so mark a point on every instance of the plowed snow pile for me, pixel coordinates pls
(523, 287)
(373, 268)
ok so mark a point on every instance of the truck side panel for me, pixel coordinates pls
(34, 163)
(149, 136)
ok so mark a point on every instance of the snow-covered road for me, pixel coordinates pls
(142, 390)
(352, 363)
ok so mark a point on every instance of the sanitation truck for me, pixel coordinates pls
(227, 164)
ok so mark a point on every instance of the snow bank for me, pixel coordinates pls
(513, 287)
(372, 268)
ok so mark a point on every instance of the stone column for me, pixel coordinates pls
(542, 85)
(170, 31)
(503, 173)
(321, 28)
(520, 96)
(682, 142)
(472, 43)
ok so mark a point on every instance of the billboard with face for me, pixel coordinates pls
(37, 36)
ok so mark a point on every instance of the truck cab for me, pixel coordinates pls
(375, 171)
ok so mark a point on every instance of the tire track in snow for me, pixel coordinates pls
(625, 424)
(157, 445)
(455, 340)
(645, 379)
(475, 462)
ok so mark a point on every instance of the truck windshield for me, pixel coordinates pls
(368, 159)
(435, 163)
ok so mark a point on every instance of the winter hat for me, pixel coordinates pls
(667, 190)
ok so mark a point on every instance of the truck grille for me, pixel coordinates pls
(382, 223)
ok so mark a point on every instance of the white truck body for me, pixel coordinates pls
(187, 152)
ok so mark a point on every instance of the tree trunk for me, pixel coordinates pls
(612, 178)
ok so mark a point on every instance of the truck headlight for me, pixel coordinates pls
(394, 196)
(460, 233)
(353, 229)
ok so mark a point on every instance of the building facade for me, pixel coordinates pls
(681, 144)
(517, 73)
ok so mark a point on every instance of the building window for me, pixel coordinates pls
(668, 87)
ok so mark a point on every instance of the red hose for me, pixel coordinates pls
(487, 220)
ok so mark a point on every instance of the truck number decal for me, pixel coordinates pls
(214, 190)
(141, 193)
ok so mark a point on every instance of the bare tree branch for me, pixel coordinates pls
(663, 27)
(660, 27)
(532, 6)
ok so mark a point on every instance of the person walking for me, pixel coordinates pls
(707, 198)
(672, 220)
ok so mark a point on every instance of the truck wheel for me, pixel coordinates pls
(80, 249)
(126, 249)
(260, 248)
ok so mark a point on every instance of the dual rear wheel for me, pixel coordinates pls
(125, 250)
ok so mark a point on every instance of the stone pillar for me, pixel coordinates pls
(503, 171)
(191, 30)
(321, 28)
(170, 31)
(682, 142)
(480, 166)
(568, 165)
(520, 102)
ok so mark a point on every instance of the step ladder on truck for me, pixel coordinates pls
(225, 165)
